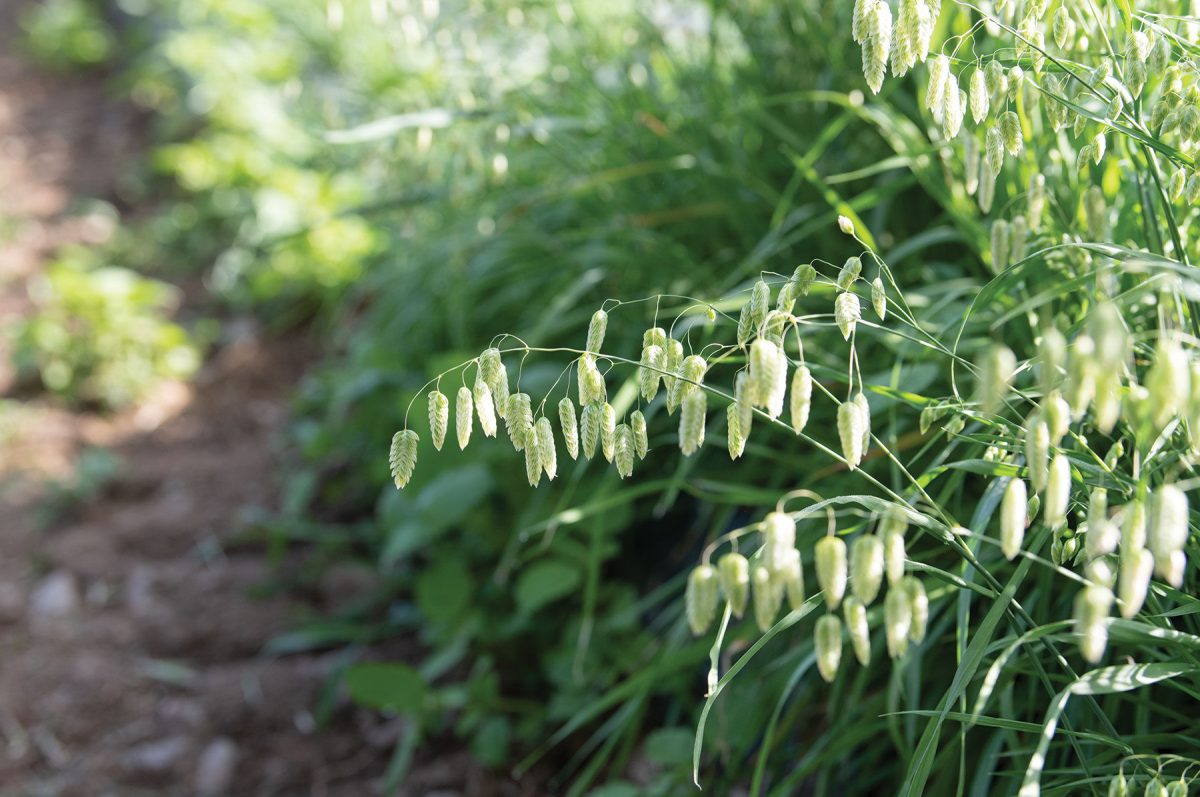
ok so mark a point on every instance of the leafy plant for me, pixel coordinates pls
(101, 334)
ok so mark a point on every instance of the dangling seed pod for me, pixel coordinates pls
(546, 447)
(1133, 579)
(879, 299)
(995, 377)
(624, 454)
(608, 431)
(801, 397)
(897, 621)
(1057, 413)
(734, 572)
(893, 555)
(779, 537)
(850, 272)
(866, 567)
(485, 407)
(590, 423)
(519, 419)
(918, 606)
(754, 312)
(1063, 25)
(864, 414)
(496, 376)
(1058, 492)
(857, 628)
(1001, 237)
(464, 416)
(862, 11)
(987, 190)
(1167, 531)
(649, 375)
(596, 330)
(1097, 522)
(939, 70)
(700, 599)
(1018, 238)
(875, 49)
(570, 427)
(1117, 786)
(691, 376)
(1037, 451)
(1080, 388)
(1014, 509)
(735, 441)
(805, 275)
(850, 431)
(764, 362)
(971, 156)
(672, 365)
(830, 557)
(1036, 198)
(641, 442)
(1010, 132)
(847, 313)
(978, 96)
(691, 423)
(1169, 381)
(439, 417)
(791, 576)
(655, 336)
(828, 646)
(1092, 605)
(402, 457)
(533, 456)
(954, 106)
(591, 381)
(768, 597)
(1177, 788)
(993, 153)
(1155, 788)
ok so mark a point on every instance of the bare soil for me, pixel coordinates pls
(132, 628)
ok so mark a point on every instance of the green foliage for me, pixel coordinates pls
(101, 334)
(68, 33)
(440, 181)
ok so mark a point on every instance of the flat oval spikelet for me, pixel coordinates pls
(801, 398)
(829, 555)
(828, 646)
(700, 598)
(847, 312)
(546, 447)
(624, 454)
(866, 567)
(590, 429)
(734, 572)
(691, 423)
(402, 457)
(850, 432)
(464, 416)
(439, 417)
(569, 426)
(485, 407)
(641, 441)
(858, 629)
(608, 431)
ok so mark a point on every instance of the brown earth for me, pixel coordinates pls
(132, 627)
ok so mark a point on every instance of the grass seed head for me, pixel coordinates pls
(733, 570)
(641, 441)
(464, 416)
(827, 642)
(691, 423)
(897, 621)
(829, 555)
(857, 629)
(569, 426)
(700, 598)
(608, 431)
(847, 313)
(625, 451)
(596, 329)
(918, 605)
(801, 398)
(547, 449)
(402, 457)
(439, 417)
(850, 425)
(768, 598)
(866, 567)
(485, 407)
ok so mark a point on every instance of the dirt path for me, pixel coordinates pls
(130, 641)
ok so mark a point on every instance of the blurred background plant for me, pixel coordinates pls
(415, 178)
